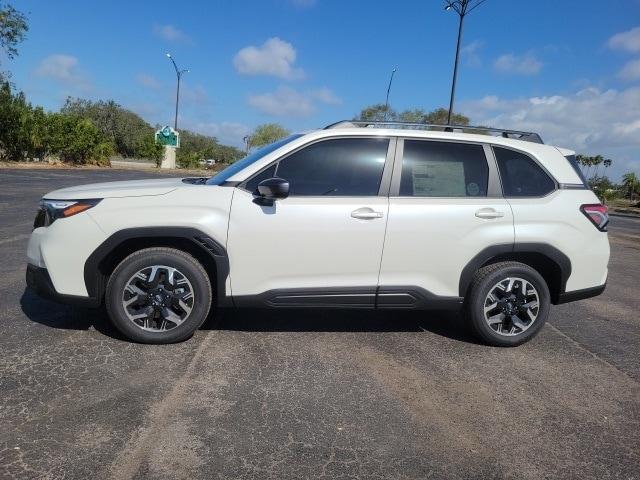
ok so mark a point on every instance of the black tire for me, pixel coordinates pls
(188, 266)
(483, 281)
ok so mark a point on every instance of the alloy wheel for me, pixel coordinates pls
(158, 298)
(511, 306)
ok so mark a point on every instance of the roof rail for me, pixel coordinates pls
(496, 132)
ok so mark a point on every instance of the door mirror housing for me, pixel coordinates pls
(273, 188)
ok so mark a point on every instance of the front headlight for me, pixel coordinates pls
(51, 210)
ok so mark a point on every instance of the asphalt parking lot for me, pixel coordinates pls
(292, 395)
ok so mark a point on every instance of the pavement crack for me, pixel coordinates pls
(128, 462)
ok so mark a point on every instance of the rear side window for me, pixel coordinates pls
(574, 163)
(443, 169)
(521, 176)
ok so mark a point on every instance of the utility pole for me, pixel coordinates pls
(179, 76)
(462, 8)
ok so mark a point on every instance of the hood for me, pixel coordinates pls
(129, 188)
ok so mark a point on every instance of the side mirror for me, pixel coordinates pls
(273, 188)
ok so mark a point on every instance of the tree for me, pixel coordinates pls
(631, 184)
(380, 112)
(77, 140)
(124, 128)
(13, 30)
(435, 117)
(148, 148)
(267, 133)
(603, 188)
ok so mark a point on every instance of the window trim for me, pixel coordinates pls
(494, 187)
(556, 185)
(385, 178)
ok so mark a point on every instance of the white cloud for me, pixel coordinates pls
(62, 68)
(631, 71)
(287, 102)
(471, 53)
(196, 95)
(274, 57)
(629, 40)
(227, 133)
(171, 34)
(325, 95)
(148, 81)
(526, 64)
(284, 101)
(590, 120)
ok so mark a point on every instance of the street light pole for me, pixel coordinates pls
(462, 8)
(386, 102)
(179, 76)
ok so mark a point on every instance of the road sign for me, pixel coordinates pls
(168, 136)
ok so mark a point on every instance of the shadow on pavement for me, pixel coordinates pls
(446, 324)
(66, 317)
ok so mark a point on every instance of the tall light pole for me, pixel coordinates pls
(386, 102)
(179, 75)
(462, 8)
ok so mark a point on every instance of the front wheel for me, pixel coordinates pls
(158, 295)
(508, 303)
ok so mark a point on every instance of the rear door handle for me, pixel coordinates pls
(489, 213)
(366, 213)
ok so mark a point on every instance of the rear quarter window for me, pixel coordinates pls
(521, 176)
(574, 164)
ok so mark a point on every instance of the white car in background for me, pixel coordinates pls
(357, 215)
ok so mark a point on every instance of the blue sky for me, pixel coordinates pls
(568, 69)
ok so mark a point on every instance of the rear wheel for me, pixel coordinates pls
(508, 303)
(158, 295)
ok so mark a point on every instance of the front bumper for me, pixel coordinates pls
(39, 281)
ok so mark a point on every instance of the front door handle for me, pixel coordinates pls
(366, 213)
(489, 213)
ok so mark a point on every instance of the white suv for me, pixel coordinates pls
(357, 215)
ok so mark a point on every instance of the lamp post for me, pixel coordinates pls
(179, 76)
(386, 102)
(462, 8)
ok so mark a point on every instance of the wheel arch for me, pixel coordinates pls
(551, 263)
(104, 259)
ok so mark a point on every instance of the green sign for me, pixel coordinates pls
(168, 136)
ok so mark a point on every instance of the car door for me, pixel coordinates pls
(322, 245)
(445, 207)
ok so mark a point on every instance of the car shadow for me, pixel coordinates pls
(445, 324)
(66, 317)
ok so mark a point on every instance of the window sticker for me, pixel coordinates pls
(439, 179)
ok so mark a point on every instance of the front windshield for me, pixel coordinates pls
(240, 165)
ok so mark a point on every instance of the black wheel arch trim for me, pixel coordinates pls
(494, 252)
(94, 280)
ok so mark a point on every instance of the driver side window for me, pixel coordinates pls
(338, 167)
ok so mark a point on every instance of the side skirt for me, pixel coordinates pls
(406, 298)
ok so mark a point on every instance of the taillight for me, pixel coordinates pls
(598, 214)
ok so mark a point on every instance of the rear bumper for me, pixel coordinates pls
(39, 281)
(576, 295)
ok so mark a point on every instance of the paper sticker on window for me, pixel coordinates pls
(439, 179)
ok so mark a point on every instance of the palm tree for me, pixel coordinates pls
(597, 160)
(631, 183)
